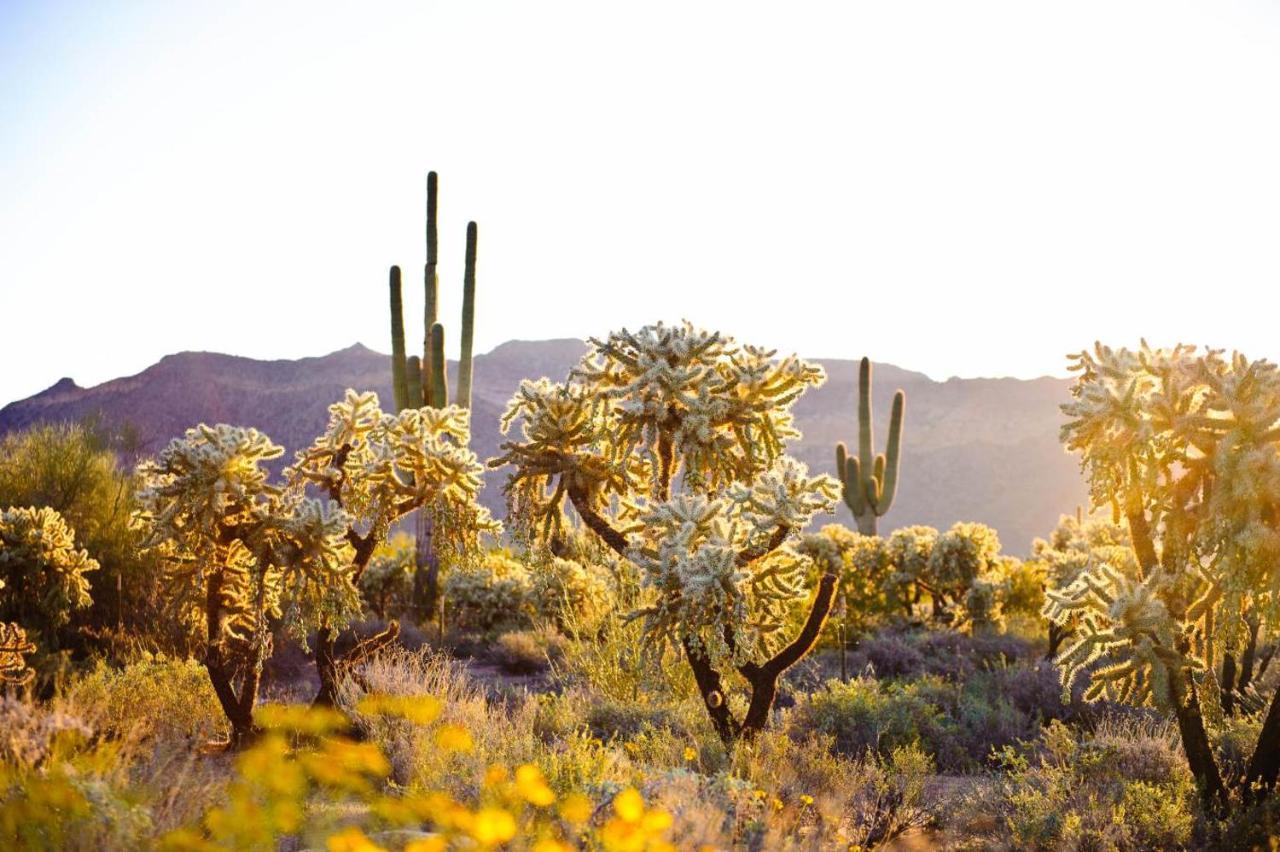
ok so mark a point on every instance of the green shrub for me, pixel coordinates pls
(488, 595)
(72, 470)
(153, 698)
(1123, 787)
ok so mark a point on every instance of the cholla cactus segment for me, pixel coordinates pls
(566, 443)
(14, 648)
(1126, 640)
(44, 568)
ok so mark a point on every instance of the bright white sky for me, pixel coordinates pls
(960, 188)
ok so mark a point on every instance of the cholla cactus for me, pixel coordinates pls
(494, 592)
(42, 568)
(669, 444)
(1183, 445)
(14, 648)
(574, 596)
(961, 555)
(867, 590)
(1126, 636)
(379, 467)
(241, 552)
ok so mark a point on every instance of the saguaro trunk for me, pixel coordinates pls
(426, 576)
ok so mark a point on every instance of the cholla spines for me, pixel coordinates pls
(45, 569)
(870, 481)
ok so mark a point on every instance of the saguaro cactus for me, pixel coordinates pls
(870, 481)
(424, 382)
(413, 379)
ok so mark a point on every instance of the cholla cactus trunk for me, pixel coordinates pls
(870, 481)
(237, 699)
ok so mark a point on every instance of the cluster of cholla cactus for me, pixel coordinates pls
(961, 574)
(1076, 544)
(870, 480)
(1183, 446)
(242, 551)
(669, 443)
(423, 382)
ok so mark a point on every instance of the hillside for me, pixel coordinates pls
(974, 449)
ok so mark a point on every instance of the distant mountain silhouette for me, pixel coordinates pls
(974, 449)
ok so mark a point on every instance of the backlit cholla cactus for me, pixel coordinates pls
(241, 552)
(42, 569)
(669, 443)
(379, 467)
(1126, 637)
(1182, 445)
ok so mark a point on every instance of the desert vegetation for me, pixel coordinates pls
(679, 636)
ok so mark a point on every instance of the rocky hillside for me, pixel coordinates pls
(974, 449)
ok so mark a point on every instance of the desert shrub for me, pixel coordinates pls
(528, 651)
(73, 471)
(155, 697)
(569, 594)
(1123, 787)
(615, 664)
(492, 593)
(802, 790)
(387, 583)
(862, 714)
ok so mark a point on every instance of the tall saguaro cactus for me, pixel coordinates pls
(419, 382)
(870, 481)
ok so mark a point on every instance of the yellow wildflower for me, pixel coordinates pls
(533, 786)
(352, 840)
(576, 808)
(493, 826)
(454, 738)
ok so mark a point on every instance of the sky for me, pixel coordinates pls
(971, 189)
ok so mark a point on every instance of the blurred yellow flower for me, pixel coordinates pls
(493, 826)
(533, 786)
(576, 808)
(454, 738)
(629, 805)
(689, 753)
(806, 800)
(495, 775)
(352, 840)
(419, 709)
